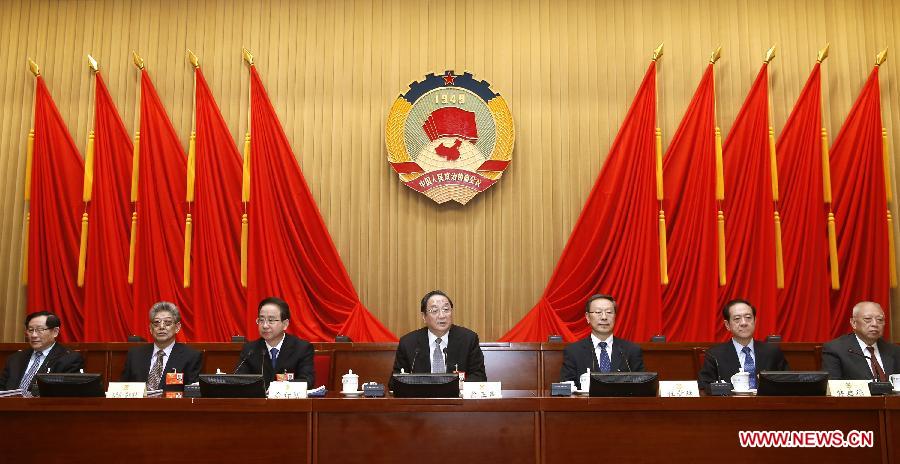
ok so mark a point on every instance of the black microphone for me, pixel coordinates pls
(868, 358)
(243, 360)
(627, 364)
(413, 367)
(716, 364)
(446, 367)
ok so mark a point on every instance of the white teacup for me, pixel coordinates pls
(350, 382)
(741, 381)
(895, 381)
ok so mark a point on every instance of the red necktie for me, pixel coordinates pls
(876, 367)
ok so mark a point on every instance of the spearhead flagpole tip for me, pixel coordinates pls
(716, 54)
(248, 57)
(658, 52)
(823, 53)
(92, 63)
(33, 67)
(881, 57)
(195, 61)
(770, 54)
(138, 61)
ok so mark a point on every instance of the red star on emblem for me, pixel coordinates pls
(448, 78)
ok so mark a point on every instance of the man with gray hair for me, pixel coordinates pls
(149, 363)
(863, 354)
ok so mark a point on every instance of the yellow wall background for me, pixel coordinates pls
(567, 68)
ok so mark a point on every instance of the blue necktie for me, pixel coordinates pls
(749, 365)
(274, 355)
(26, 380)
(605, 365)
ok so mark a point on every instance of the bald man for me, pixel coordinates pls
(863, 354)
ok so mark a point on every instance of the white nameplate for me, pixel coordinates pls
(848, 388)
(127, 390)
(287, 390)
(678, 389)
(480, 390)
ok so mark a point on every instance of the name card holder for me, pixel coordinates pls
(678, 389)
(481, 390)
(848, 388)
(282, 390)
(127, 390)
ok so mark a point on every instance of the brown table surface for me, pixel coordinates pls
(521, 427)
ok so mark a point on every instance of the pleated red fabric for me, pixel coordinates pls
(291, 254)
(614, 246)
(107, 296)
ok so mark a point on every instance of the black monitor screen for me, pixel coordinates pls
(624, 383)
(232, 386)
(425, 385)
(792, 383)
(68, 385)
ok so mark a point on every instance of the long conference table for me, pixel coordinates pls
(526, 425)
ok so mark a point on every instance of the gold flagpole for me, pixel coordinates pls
(773, 166)
(889, 191)
(88, 187)
(660, 192)
(245, 181)
(29, 160)
(135, 169)
(826, 185)
(720, 177)
(191, 166)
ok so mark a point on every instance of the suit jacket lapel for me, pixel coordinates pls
(588, 346)
(887, 358)
(170, 363)
(732, 359)
(54, 353)
(424, 350)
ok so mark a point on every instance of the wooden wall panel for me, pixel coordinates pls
(568, 68)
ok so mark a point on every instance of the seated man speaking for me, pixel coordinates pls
(600, 352)
(440, 346)
(741, 352)
(277, 352)
(151, 362)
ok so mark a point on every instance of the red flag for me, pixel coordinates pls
(55, 226)
(160, 215)
(614, 247)
(107, 297)
(749, 211)
(801, 304)
(219, 299)
(860, 205)
(291, 253)
(690, 204)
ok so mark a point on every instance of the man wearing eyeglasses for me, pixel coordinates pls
(440, 347)
(43, 355)
(863, 354)
(600, 352)
(151, 362)
(741, 352)
(277, 352)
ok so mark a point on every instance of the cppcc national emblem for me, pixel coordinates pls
(450, 137)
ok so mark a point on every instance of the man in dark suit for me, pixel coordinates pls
(43, 355)
(741, 352)
(151, 362)
(600, 352)
(277, 352)
(440, 346)
(862, 355)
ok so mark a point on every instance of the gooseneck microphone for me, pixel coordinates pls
(412, 368)
(627, 364)
(243, 360)
(869, 359)
(446, 365)
(716, 365)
